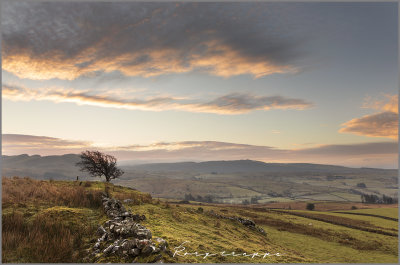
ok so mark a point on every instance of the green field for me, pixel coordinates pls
(388, 212)
(71, 213)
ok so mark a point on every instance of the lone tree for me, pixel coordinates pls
(310, 206)
(98, 164)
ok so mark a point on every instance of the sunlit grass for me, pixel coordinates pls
(55, 221)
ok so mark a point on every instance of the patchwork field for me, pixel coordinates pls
(55, 221)
(281, 184)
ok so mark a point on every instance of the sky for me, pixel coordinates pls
(275, 82)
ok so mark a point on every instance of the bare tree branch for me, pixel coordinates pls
(98, 164)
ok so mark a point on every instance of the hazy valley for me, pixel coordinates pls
(225, 181)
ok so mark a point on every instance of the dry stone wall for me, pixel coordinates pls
(123, 236)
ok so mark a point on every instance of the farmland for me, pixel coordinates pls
(331, 233)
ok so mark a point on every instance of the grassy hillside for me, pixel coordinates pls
(41, 167)
(53, 221)
(56, 221)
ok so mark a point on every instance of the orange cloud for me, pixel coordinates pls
(382, 124)
(219, 59)
(141, 39)
(389, 103)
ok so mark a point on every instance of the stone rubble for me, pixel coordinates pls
(246, 222)
(122, 235)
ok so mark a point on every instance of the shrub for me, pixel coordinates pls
(310, 206)
(361, 185)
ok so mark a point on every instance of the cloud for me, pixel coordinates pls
(228, 104)
(15, 144)
(376, 154)
(381, 124)
(244, 103)
(388, 103)
(68, 40)
(375, 148)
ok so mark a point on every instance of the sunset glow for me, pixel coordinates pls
(275, 82)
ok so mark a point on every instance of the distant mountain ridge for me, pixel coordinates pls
(249, 166)
(227, 181)
(63, 167)
(41, 167)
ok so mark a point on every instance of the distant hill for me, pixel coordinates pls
(227, 181)
(251, 166)
(41, 167)
(63, 167)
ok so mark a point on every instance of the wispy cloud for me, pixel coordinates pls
(145, 39)
(228, 104)
(381, 124)
(239, 103)
(377, 154)
(31, 144)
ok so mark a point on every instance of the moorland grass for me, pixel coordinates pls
(55, 221)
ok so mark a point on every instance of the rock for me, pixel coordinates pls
(126, 214)
(96, 252)
(97, 245)
(103, 237)
(261, 230)
(101, 231)
(148, 249)
(138, 218)
(246, 222)
(142, 243)
(126, 245)
(111, 236)
(116, 248)
(108, 249)
(143, 233)
(134, 251)
(161, 243)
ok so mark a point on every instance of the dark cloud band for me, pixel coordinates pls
(68, 40)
